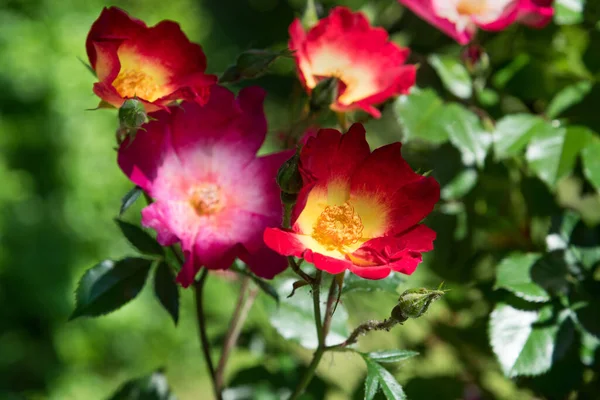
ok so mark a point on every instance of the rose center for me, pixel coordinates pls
(206, 199)
(136, 83)
(338, 227)
(471, 7)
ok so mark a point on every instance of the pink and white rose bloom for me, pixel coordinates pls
(460, 19)
(212, 193)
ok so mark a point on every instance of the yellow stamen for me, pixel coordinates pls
(134, 82)
(471, 7)
(338, 227)
(206, 199)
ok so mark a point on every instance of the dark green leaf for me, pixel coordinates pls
(568, 12)
(466, 133)
(568, 97)
(354, 283)
(152, 387)
(166, 290)
(588, 317)
(591, 160)
(514, 274)
(130, 198)
(453, 74)
(140, 239)
(460, 185)
(391, 356)
(522, 346)
(512, 134)
(388, 384)
(417, 114)
(294, 318)
(109, 285)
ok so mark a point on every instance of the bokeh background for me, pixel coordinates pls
(60, 189)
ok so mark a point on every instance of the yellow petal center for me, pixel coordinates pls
(206, 199)
(338, 227)
(137, 83)
(471, 7)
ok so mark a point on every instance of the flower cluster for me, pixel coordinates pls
(196, 155)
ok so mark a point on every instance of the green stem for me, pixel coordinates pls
(205, 344)
(242, 308)
(316, 295)
(308, 375)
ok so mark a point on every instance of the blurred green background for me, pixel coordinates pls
(60, 188)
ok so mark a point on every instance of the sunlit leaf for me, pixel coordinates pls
(568, 12)
(514, 274)
(552, 151)
(354, 283)
(568, 97)
(466, 133)
(453, 74)
(109, 285)
(512, 134)
(392, 356)
(417, 114)
(152, 387)
(590, 157)
(460, 185)
(385, 380)
(523, 341)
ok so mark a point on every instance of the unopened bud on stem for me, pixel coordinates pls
(414, 302)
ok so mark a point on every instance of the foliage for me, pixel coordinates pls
(514, 145)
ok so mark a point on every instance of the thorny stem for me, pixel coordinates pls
(242, 308)
(363, 328)
(199, 287)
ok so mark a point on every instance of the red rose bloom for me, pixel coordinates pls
(358, 210)
(460, 19)
(343, 45)
(158, 65)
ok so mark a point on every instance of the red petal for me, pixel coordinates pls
(113, 24)
(331, 155)
(284, 242)
(328, 264)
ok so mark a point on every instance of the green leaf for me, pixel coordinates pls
(417, 114)
(552, 151)
(453, 74)
(371, 382)
(466, 133)
(514, 274)
(568, 12)
(521, 347)
(391, 356)
(294, 318)
(166, 290)
(109, 285)
(460, 185)
(152, 387)
(512, 134)
(388, 384)
(140, 239)
(130, 198)
(591, 160)
(88, 67)
(567, 97)
(354, 283)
